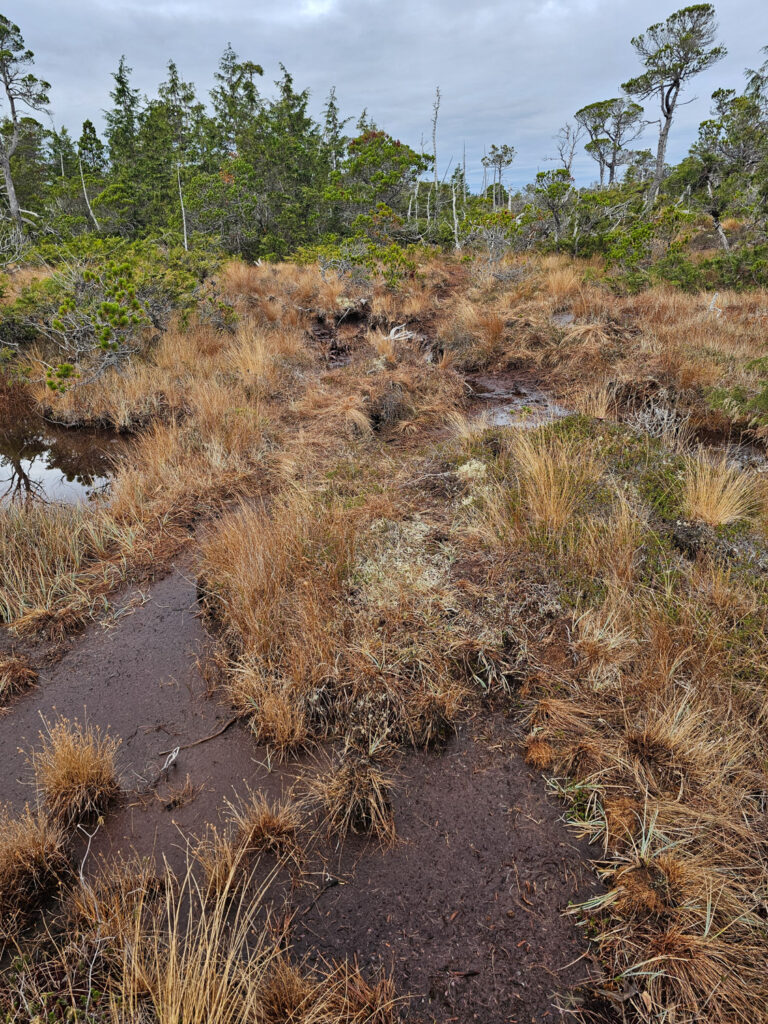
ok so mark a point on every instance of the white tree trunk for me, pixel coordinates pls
(91, 214)
(181, 202)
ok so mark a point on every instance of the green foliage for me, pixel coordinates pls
(629, 252)
(360, 258)
(738, 269)
(102, 298)
(258, 176)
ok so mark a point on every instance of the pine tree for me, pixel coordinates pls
(333, 131)
(22, 89)
(122, 119)
(236, 100)
(90, 149)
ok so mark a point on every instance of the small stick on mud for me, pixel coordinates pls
(205, 739)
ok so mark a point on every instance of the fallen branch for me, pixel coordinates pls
(205, 739)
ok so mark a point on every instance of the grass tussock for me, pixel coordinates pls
(355, 793)
(33, 860)
(16, 677)
(660, 758)
(272, 577)
(109, 899)
(43, 550)
(254, 827)
(717, 492)
(263, 826)
(546, 480)
(342, 622)
(75, 770)
(169, 950)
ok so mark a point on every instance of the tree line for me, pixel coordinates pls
(259, 176)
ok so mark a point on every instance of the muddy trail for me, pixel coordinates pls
(466, 910)
(139, 675)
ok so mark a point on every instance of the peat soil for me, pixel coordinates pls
(139, 675)
(465, 909)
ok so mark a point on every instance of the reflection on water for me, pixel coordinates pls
(48, 463)
(509, 402)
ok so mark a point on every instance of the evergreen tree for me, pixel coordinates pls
(22, 89)
(333, 131)
(235, 98)
(90, 149)
(122, 119)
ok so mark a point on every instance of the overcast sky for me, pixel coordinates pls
(509, 70)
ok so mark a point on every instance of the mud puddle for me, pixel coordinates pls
(40, 461)
(505, 401)
(139, 676)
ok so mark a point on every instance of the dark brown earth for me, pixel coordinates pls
(139, 675)
(466, 909)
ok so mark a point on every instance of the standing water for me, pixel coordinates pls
(508, 401)
(40, 461)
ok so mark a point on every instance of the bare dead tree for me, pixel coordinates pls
(456, 240)
(181, 203)
(566, 143)
(435, 112)
(88, 206)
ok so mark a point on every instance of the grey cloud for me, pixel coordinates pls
(509, 71)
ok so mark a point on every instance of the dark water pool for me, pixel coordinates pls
(39, 461)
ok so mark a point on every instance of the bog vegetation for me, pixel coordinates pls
(295, 324)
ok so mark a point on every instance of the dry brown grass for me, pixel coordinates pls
(43, 550)
(75, 769)
(562, 280)
(171, 950)
(553, 475)
(407, 398)
(473, 331)
(16, 677)
(108, 900)
(273, 579)
(222, 859)
(196, 960)
(547, 481)
(717, 492)
(263, 826)
(666, 768)
(596, 401)
(355, 793)
(273, 290)
(254, 560)
(15, 280)
(33, 859)
(364, 605)
(264, 359)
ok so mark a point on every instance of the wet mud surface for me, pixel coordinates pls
(510, 400)
(140, 677)
(466, 909)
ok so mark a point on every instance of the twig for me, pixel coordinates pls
(205, 739)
